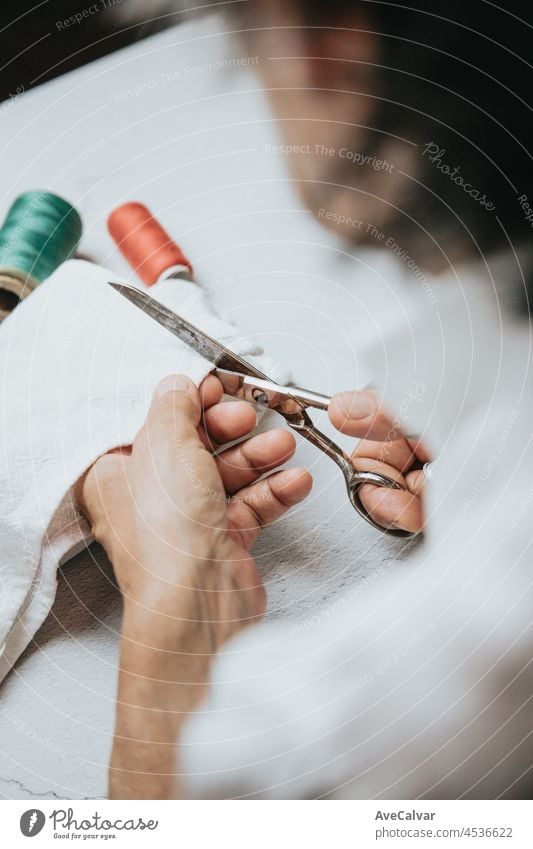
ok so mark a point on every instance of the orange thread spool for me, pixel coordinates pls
(144, 243)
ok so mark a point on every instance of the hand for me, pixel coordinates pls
(160, 507)
(181, 553)
(384, 449)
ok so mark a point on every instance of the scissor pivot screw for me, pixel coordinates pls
(260, 397)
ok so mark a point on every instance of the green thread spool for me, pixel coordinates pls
(41, 231)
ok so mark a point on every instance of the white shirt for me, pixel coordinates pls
(416, 683)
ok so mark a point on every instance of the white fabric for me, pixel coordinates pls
(421, 685)
(79, 364)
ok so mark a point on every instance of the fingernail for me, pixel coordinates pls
(172, 383)
(355, 405)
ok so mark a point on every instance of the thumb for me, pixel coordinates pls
(175, 408)
(359, 413)
(174, 383)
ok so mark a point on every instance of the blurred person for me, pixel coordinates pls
(419, 686)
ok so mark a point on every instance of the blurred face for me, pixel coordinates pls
(322, 85)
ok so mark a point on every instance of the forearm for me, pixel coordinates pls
(170, 634)
(164, 668)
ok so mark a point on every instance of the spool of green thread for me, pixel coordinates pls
(41, 231)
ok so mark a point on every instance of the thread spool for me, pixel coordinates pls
(40, 232)
(146, 245)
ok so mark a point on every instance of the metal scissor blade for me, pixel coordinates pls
(196, 339)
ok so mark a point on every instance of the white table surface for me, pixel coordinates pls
(191, 145)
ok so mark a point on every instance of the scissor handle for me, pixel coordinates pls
(354, 480)
(359, 479)
(291, 402)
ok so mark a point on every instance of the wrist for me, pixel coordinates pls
(166, 630)
(167, 667)
(159, 589)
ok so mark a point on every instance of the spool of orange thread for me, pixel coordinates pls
(146, 245)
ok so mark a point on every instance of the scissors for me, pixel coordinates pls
(242, 380)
